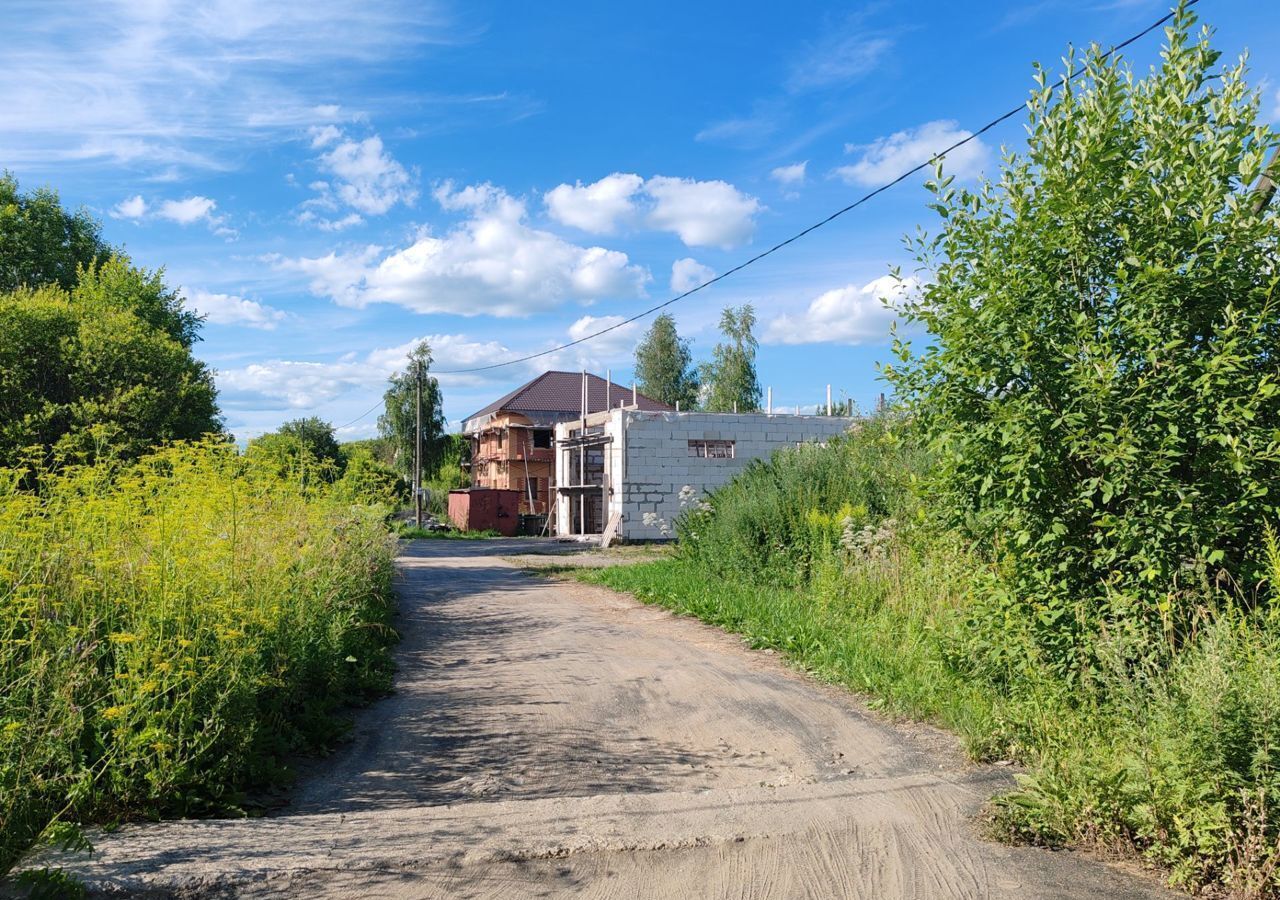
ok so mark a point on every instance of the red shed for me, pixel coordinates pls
(483, 509)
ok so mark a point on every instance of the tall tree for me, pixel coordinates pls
(729, 380)
(1100, 381)
(40, 242)
(311, 436)
(79, 377)
(398, 422)
(664, 365)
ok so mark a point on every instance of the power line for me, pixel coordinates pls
(359, 417)
(814, 227)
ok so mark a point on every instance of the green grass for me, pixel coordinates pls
(412, 532)
(172, 632)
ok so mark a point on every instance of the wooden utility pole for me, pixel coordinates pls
(417, 446)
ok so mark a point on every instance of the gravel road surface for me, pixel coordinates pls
(551, 739)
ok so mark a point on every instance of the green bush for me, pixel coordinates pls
(781, 515)
(1099, 381)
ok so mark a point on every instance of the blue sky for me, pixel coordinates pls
(330, 182)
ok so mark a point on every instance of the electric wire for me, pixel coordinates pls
(814, 227)
(1003, 117)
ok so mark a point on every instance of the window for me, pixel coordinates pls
(542, 439)
(711, 449)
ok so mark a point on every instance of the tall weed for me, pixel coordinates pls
(172, 630)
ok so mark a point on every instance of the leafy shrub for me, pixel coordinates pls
(781, 515)
(171, 630)
(1100, 382)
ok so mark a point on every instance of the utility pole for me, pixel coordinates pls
(417, 446)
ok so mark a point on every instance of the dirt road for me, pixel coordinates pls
(551, 740)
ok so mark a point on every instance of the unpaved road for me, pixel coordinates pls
(550, 739)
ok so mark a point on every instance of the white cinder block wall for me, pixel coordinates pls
(650, 461)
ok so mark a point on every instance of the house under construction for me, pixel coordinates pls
(512, 438)
(629, 472)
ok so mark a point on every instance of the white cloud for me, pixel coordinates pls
(790, 176)
(702, 213)
(228, 309)
(614, 348)
(348, 221)
(184, 82)
(847, 315)
(367, 177)
(843, 57)
(187, 211)
(324, 135)
(688, 273)
(339, 276)
(888, 157)
(597, 208)
(130, 208)
(493, 263)
(307, 384)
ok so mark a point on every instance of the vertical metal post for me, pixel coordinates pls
(828, 399)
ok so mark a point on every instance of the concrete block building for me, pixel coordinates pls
(631, 466)
(511, 438)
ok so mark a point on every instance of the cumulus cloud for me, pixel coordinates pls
(306, 384)
(324, 135)
(339, 276)
(130, 208)
(188, 210)
(366, 176)
(597, 208)
(614, 348)
(888, 157)
(229, 309)
(493, 263)
(790, 176)
(847, 315)
(688, 273)
(702, 213)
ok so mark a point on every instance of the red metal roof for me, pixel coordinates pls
(561, 393)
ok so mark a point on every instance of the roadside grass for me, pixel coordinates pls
(171, 632)
(409, 532)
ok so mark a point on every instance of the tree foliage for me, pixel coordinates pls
(729, 380)
(397, 424)
(95, 353)
(1100, 379)
(664, 365)
(40, 242)
(81, 372)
